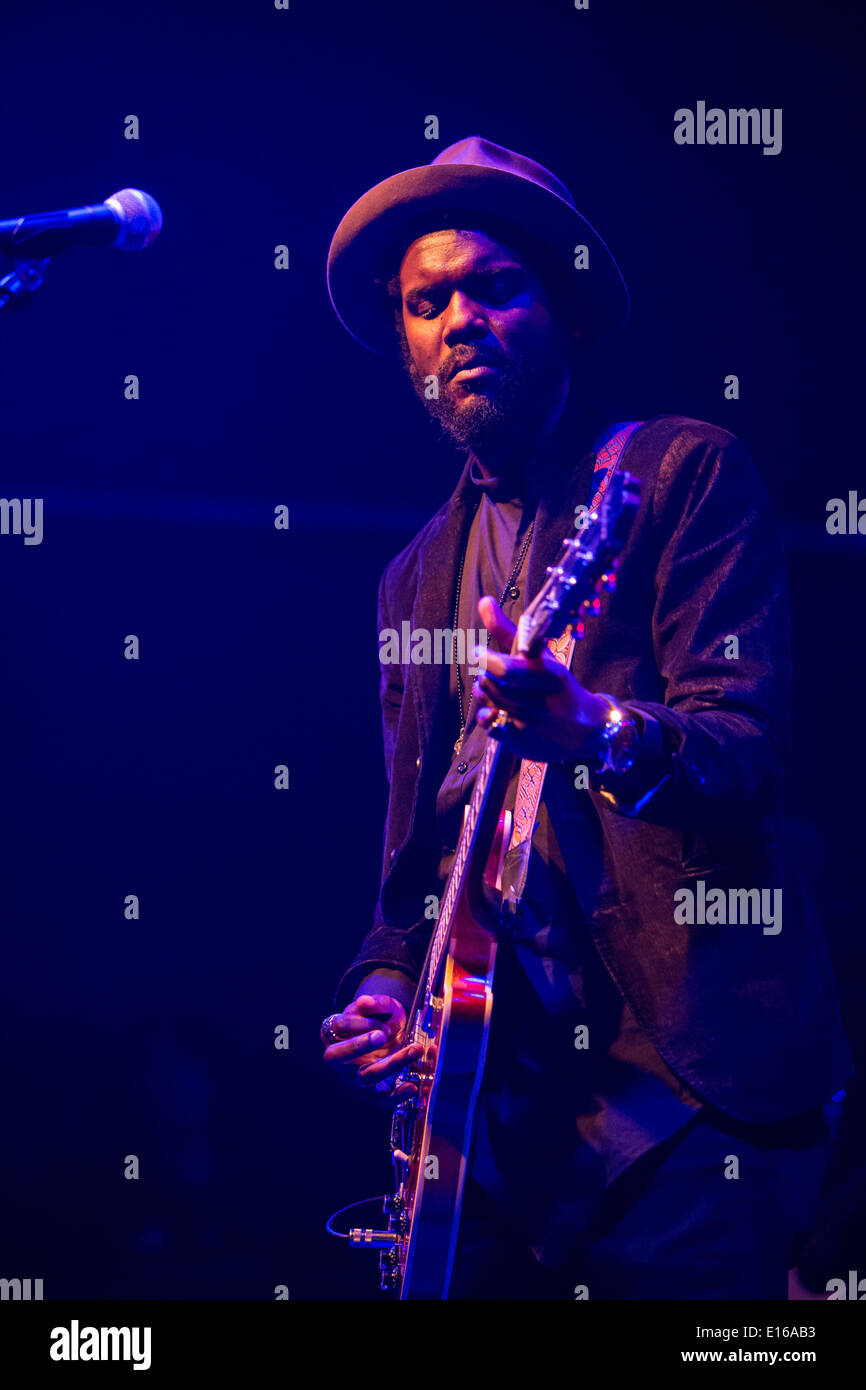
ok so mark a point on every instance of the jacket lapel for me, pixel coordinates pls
(434, 604)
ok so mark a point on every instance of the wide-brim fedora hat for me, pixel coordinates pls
(473, 176)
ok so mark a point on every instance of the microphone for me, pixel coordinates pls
(129, 219)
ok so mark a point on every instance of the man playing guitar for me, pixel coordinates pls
(655, 1069)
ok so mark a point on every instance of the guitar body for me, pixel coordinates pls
(454, 1032)
(437, 1171)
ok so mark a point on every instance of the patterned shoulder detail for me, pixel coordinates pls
(608, 448)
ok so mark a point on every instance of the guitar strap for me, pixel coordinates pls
(608, 449)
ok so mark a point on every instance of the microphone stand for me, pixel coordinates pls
(19, 286)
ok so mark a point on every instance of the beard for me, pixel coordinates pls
(505, 413)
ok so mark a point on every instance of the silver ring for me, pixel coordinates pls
(326, 1029)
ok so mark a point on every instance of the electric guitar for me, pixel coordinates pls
(450, 1018)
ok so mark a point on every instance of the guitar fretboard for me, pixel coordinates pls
(458, 866)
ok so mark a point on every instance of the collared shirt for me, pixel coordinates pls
(574, 1091)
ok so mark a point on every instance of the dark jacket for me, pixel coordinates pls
(748, 1019)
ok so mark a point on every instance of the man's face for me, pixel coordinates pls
(478, 319)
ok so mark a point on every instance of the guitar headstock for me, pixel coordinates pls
(584, 568)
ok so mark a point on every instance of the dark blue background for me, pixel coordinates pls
(259, 647)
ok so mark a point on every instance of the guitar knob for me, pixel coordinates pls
(389, 1270)
(608, 582)
(407, 1077)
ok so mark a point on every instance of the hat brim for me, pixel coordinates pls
(367, 237)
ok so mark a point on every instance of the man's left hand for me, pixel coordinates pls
(552, 716)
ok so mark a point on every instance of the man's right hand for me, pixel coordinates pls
(370, 1032)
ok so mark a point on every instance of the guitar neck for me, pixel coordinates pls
(470, 856)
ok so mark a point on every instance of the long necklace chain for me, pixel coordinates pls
(509, 583)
